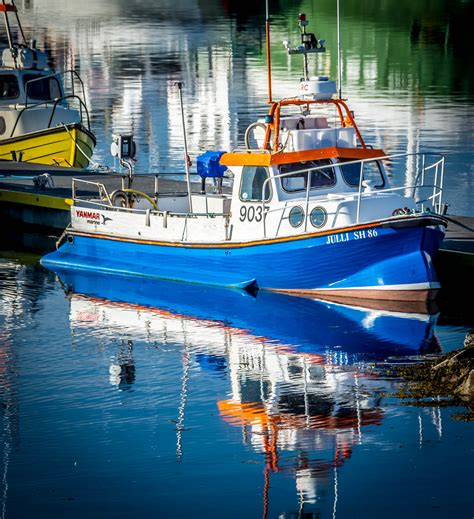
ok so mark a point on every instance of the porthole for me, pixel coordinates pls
(3, 126)
(296, 216)
(318, 217)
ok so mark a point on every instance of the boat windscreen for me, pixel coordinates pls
(8, 86)
(42, 88)
(371, 171)
(320, 178)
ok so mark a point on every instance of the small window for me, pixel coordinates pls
(251, 187)
(319, 178)
(9, 87)
(43, 88)
(371, 171)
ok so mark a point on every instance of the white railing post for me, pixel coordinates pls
(423, 165)
(441, 184)
(308, 186)
(435, 183)
(360, 191)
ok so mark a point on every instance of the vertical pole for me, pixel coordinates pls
(19, 23)
(305, 60)
(9, 32)
(269, 60)
(339, 57)
(179, 84)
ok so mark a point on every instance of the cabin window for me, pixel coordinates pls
(371, 171)
(319, 178)
(9, 87)
(42, 88)
(251, 187)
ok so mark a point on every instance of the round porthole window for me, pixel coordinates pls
(318, 217)
(296, 216)
(3, 126)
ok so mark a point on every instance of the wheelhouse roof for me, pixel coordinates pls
(260, 158)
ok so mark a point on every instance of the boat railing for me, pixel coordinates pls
(435, 197)
(77, 94)
(102, 192)
(104, 199)
(65, 76)
(54, 103)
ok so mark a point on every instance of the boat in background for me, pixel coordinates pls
(40, 122)
(311, 210)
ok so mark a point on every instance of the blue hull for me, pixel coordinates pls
(381, 256)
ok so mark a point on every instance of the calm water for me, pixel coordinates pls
(133, 398)
(122, 398)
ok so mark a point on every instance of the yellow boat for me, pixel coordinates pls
(40, 122)
(69, 146)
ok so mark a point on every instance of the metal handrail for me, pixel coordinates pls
(101, 188)
(436, 197)
(103, 193)
(73, 74)
(55, 104)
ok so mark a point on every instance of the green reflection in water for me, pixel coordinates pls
(397, 45)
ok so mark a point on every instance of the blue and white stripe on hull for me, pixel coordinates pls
(396, 252)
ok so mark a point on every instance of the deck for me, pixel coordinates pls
(48, 207)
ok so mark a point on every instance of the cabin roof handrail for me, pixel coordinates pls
(274, 117)
(55, 103)
(73, 74)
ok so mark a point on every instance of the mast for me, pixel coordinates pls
(339, 64)
(269, 60)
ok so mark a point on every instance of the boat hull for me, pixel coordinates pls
(56, 146)
(385, 260)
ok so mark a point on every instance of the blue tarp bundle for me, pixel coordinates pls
(208, 164)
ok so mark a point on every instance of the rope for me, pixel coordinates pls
(95, 165)
(142, 194)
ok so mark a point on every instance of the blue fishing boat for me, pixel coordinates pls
(310, 210)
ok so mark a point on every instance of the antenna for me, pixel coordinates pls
(269, 59)
(339, 64)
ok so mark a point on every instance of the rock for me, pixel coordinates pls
(466, 388)
(453, 361)
(469, 339)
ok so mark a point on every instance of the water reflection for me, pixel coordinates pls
(299, 393)
(211, 390)
(308, 325)
(406, 77)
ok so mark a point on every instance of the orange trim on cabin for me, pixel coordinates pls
(6, 8)
(272, 159)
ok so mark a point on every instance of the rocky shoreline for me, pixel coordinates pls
(449, 379)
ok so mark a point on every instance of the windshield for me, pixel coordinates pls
(8, 87)
(371, 171)
(253, 180)
(42, 88)
(320, 178)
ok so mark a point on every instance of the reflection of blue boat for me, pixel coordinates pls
(304, 324)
